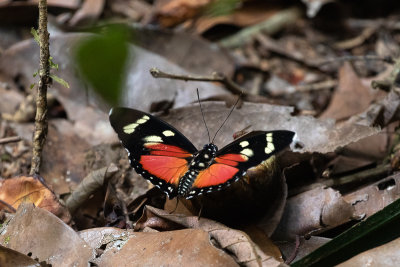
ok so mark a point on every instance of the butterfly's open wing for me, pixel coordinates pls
(156, 150)
(232, 161)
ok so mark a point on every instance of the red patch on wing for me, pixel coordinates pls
(231, 159)
(169, 169)
(214, 175)
(160, 149)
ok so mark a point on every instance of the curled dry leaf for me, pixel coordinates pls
(9, 257)
(27, 189)
(313, 211)
(49, 238)
(89, 185)
(385, 255)
(236, 242)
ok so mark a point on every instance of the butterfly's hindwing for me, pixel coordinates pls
(232, 161)
(156, 150)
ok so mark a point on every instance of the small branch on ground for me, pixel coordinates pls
(41, 126)
(229, 84)
(11, 139)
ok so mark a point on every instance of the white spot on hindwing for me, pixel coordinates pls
(206, 156)
(153, 139)
(201, 164)
(244, 143)
(168, 133)
(248, 152)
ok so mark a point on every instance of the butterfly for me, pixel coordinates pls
(165, 157)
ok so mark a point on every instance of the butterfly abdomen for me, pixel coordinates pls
(201, 161)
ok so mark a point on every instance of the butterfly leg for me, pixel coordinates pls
(200, 211)
(176, 206)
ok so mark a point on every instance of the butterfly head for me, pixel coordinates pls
(211, 149)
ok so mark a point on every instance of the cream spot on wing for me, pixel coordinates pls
(269, 137)
(201, 164)
(145, 117)
(247, 151)
(244, 143)
(130, 128)
(271, 146)
(206, 156)
(168, 133)
(153, 138)
(141, 121)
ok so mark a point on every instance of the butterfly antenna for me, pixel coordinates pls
(237, 101)
(202, 114)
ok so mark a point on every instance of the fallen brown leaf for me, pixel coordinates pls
(39, 233)
(351, 96)
(27, 189)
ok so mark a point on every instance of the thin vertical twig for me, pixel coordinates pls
(40, 133)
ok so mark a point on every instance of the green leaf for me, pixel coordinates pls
(102, 60)
(376, 230)
(52, 64)
(59, 80)
(32, 85)
(35, 74)
(35, 35)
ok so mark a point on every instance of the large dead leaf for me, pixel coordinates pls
(25, 189)
(189, 247)
(39, 233)
(236, 242)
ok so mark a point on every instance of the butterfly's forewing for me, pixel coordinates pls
(156, 150)
(232, 161)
